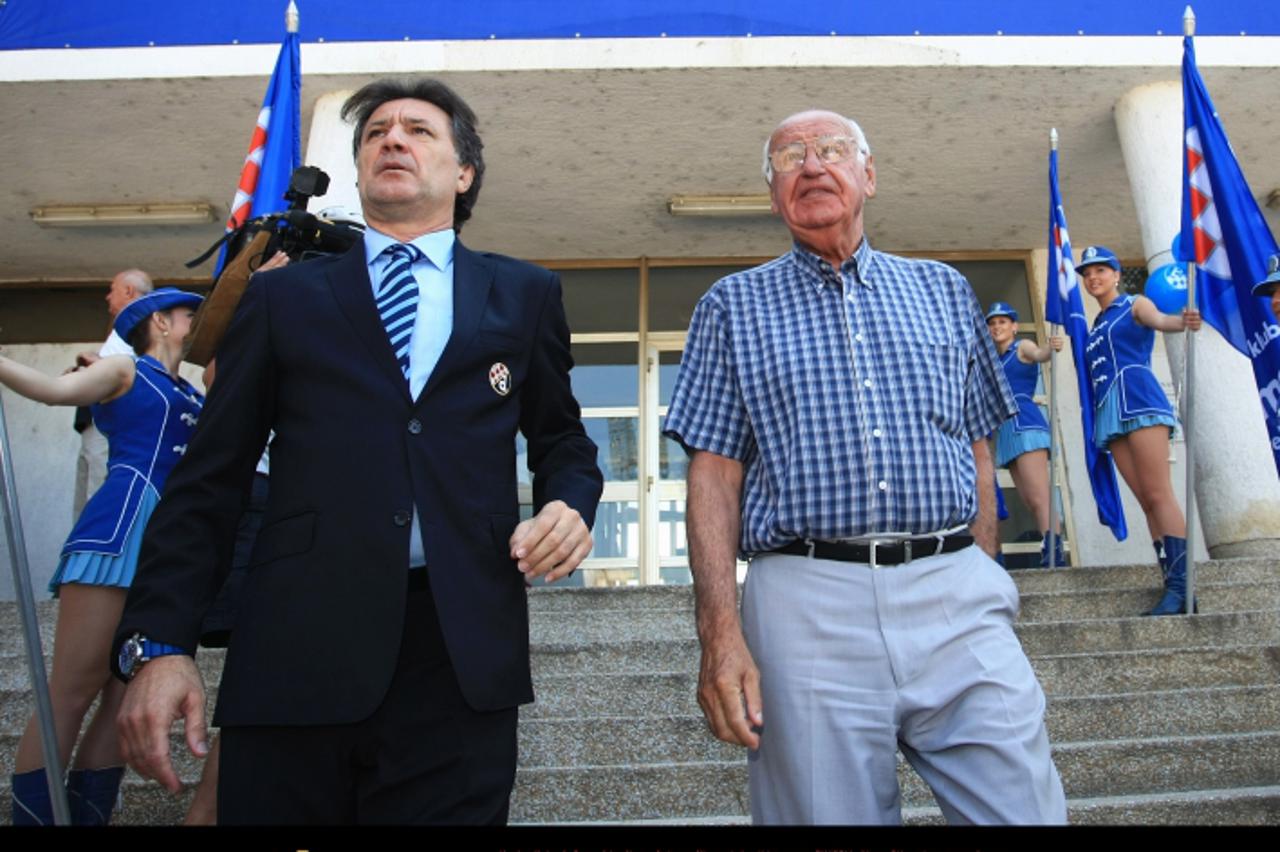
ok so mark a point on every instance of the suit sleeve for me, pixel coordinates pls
(189, 538)
(561, 456)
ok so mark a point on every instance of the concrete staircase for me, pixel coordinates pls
(1153, 721)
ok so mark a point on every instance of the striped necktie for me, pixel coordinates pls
(397, 299)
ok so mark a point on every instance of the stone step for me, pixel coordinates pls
(146, 803)
(1122, 603)
(667, 653)
(662, 693)
(629, 740)
(719, 788)
(546, 603)
(1143, 671)
(1245, 806)
(614, 740)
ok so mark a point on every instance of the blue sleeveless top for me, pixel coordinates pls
(1022, 381)
(147, 431)
(1119, 356)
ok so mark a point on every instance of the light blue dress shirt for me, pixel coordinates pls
(432, 325)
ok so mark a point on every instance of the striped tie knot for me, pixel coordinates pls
(397, 299)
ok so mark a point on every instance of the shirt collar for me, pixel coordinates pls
(437, 246)
(821, 274)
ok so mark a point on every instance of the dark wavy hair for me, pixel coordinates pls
(466, 139)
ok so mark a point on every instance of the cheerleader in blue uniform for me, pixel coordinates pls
(1132, 417)
(147, 411)
(1022, 441)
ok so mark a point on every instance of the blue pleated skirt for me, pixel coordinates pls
(1108, 424)
(103, 569)
(1011, 443)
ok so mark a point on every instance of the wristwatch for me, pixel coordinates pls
(137, 649)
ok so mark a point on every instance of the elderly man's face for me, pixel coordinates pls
(407, 161)
(1275, 301)
(120, 293)
(819, 195)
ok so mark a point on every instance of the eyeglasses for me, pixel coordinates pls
(829, 149)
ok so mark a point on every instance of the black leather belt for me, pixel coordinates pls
(874, 552)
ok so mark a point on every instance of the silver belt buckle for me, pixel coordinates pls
(875, 543)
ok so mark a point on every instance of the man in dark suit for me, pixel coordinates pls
(382, 647)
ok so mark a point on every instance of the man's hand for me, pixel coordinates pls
(165, 689)
(552, 543)
(729, 690)
(83, 359)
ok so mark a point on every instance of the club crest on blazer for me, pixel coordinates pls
(500, 379)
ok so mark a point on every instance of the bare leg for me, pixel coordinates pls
(100, 745)
(1030, 472)
(1143, 459)
(204, 805)
(87, 620)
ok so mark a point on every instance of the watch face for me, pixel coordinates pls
(130, 653)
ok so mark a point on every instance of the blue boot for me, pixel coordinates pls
(1174, 601)
(91, 794)
(31, 802)
(1059, 561)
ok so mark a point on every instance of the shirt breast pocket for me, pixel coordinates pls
(936, 371)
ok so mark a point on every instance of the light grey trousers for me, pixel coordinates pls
(856, 663)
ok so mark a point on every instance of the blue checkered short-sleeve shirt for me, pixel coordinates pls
(851, 397)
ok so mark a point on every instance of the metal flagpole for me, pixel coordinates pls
(1053, 419)
(31, 631)
(1188, 398)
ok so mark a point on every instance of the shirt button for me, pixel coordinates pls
(858, 337)
(884, 486)
(866, 383)
(877, 433)
(401, 518)
(415, 426)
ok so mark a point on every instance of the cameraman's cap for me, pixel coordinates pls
(1267, 285)
(1094, 255)
(1002, 309)
(144, 306)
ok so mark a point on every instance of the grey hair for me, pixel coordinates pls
(864, 149)
(140, 280)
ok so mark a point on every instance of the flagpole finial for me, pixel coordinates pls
(1188, 22)
(1053, 138)
(291, 17)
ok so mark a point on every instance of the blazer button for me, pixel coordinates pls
(401, 518)
(415, 426)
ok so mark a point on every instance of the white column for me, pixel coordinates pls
(1237, 490)
(329, 148)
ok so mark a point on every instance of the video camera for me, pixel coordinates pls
(299, 234)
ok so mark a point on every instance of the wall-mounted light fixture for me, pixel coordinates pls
(719, 205)
(121, 215)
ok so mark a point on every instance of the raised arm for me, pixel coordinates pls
(1029, 353)
(1146, 313)
(103, 380)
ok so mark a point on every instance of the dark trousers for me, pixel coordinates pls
(424, 757)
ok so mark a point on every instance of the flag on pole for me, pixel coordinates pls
(275, 149)
(1064, 306)
(1224, 232)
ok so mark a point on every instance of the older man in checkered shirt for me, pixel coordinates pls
(835, 401)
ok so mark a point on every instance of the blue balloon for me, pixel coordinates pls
(1167, 287)
(1176, 248)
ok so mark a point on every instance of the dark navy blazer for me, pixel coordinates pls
(317, 637)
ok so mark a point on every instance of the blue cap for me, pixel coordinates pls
(144, 306)
(1093, 255)
(1267, 285)
(1002, 309)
